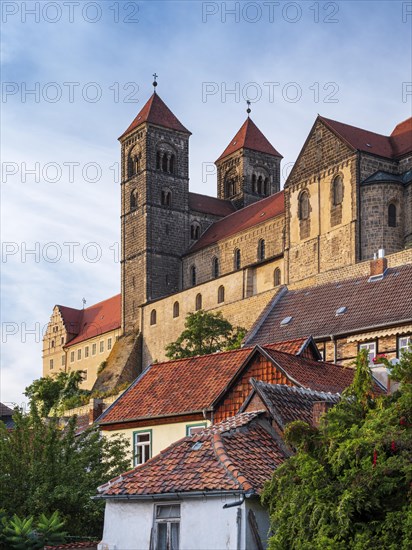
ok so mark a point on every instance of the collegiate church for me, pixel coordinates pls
(348, 195)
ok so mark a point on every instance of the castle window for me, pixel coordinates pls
(158, 160)
(72, 357)
(237, 259)
(79, 354)
(221, 294)
(266, 186)
(101, 346)
(193, 275)
(172, 164)
(164, 163)
(176, 310)
(392, 215)
(52, 343)
(51, 364)
(166, 197)
(261, 249)
(109, 343)
(153, 317)
(86, 351)
(276, 277)
(194, 231)
(215, 268)
(260, 185)
(94, 347)
(303, 206)
(198, 302)
(254, 186)
(63, 360)
(62, 340)
(133, 199)
(337, 190)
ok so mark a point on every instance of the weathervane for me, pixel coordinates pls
(154, 82)
(248, 110)
(84, 302)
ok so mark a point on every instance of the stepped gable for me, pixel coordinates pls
(249, 137)
(243, 219)
(238, 455)
(397, 144)
(156, 112)
(210, 205)
(313, 310)
(93, 320)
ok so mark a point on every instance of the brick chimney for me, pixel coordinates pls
(319, 408)
(95, 409)
(379, 264)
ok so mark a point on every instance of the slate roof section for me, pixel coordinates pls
(92, 321)
(386, 302)
(5, 410)
(289, 403)
(380, 175)
(155, 111)
(237, 455)
(210, 205)
(249, 137)
(243, 219)
(398, 144)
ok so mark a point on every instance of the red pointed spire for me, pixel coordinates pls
(156, 112)
(249, 137)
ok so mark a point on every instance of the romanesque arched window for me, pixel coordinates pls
(392, 215)
(221, 294)
(193, 275)
(261, 249)
(158, 160)
(172, 164)
(254, 184)
(266, 186)
(164, 163)
(276, 277)
(260, 185)
(176, 309)
(194, 231)
(166, 197)
(153, 317)
(303, 205)
(198, 302)
(133, 199)
(215, 267)
(337, 190)
(237, 259)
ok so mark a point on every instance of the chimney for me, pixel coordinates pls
(95, 410)
(319, 408)
(379, 264)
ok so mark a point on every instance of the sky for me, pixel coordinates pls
(76, 73)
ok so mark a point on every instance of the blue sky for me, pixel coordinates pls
(345, 60)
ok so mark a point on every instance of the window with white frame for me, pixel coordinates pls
(109, 343)
(404, 344)
(371, 347)
(167, 526)
(72, 357)
(142, 447)
(195, 428)
(101, 346)
(86, 351)
(93, 349)
(79, 354)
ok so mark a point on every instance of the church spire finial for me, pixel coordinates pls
(154, 82)
(248, 110)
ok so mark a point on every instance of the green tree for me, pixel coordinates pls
(45, 468)
(205, 333)
(349, 483)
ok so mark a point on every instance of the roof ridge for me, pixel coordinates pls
(325, 119)
(226, 462)
(298, 389)
(183, 359)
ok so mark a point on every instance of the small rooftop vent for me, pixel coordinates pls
(197, 446)
(341, 310)
(285, 321)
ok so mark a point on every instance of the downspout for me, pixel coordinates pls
(335, 348)
(239, 528)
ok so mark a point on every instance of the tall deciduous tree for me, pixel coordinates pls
(46, 468)
(349, 484)
(205, 333)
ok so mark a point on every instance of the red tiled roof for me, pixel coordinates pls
(210, 205)
(249, 137)
(247, 217)
(155, 111)
(288, 346)
(368, 305)
(92, 321)
(234, 456)
(73, 546)
(363, 140)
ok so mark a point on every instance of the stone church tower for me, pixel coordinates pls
(154, 207)
(249, 168)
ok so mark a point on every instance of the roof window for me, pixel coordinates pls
(197, 446)
(286, 321)
(341, 310)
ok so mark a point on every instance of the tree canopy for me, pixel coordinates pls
(205, 333)
(349, 483)
(45, 468)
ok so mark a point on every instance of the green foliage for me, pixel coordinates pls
(55, 394)
(349, 484)
(45, 468)
(24, 534)
(102, 366)
(205, 333)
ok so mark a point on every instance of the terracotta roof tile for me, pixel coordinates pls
(210, 205)
(93, 320)
(240, 456)
(399, 143)
(155, 111)
(243, 219)
(368, 305)
(249, 137)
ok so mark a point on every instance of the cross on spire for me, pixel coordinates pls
(248, 110)
(155, 76)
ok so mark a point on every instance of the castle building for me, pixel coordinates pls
(348, 195)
